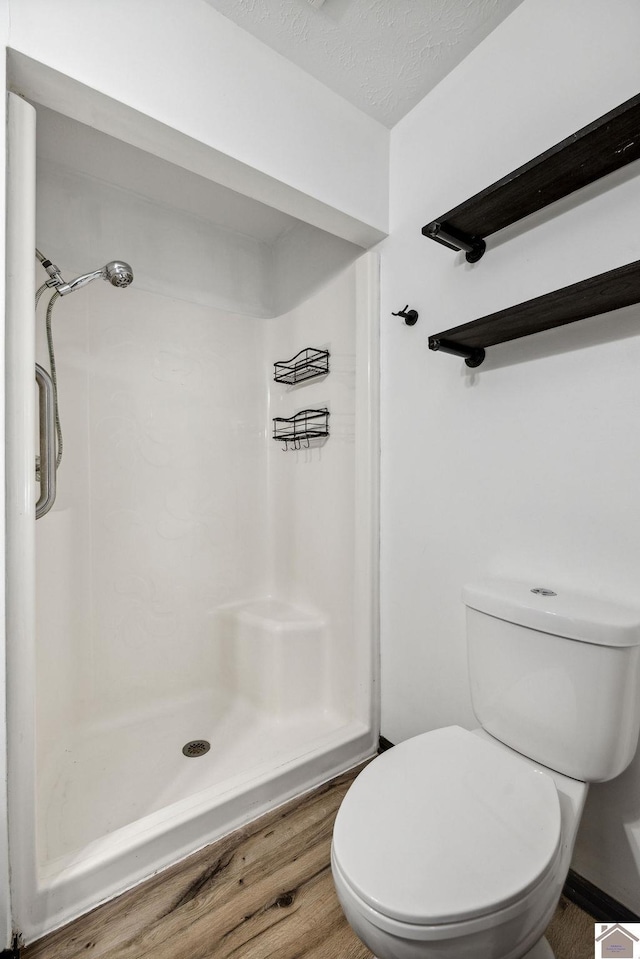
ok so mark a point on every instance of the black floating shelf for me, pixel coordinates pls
(303, 366)
(610, 142)
(301, 428)
(599, 294)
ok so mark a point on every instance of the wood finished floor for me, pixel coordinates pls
(263, 892)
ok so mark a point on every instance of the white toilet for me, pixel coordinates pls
(456, 844)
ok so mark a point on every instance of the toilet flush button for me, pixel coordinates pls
(541, 591)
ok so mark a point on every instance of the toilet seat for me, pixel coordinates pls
(536, 903)
(447, 828)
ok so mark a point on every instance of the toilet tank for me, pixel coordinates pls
(556, 675)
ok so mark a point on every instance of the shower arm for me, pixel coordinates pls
(79, 282)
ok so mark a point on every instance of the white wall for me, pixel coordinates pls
(170, 250)
(190, 69)
(312, 491)
(303, 260)
(161, 390)
(160, 511)
(228, 250)
(528, 467)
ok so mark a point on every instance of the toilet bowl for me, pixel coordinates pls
(456, 844)
(453, 846)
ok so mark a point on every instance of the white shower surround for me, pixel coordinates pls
(162, 396)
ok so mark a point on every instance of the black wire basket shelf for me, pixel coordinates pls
(297, 431)
(305, 365)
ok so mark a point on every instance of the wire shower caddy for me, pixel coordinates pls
(300, 428)
(305, 365)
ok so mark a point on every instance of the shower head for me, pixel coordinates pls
(117, 272)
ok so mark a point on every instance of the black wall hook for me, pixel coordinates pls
(410, 318)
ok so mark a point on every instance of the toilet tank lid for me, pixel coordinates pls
(559, 611)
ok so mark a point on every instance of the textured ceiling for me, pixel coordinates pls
(382, 55)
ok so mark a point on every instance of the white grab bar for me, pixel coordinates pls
(47, 442)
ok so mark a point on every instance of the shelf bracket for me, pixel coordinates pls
(472, 246)
(473, 355)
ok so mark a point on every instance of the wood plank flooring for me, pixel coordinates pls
(263, 892)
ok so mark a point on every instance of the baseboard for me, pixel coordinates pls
(13, 952)
(597, 903)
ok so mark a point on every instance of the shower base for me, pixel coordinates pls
(121, 801)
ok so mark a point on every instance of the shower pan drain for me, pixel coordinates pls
(197, 747)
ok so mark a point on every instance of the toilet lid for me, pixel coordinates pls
(446, 827)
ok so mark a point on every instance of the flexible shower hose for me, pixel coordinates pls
(52, 360)
(54, 377)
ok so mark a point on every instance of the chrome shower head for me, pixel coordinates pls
(117, 272)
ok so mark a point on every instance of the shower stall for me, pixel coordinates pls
(192, 625)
